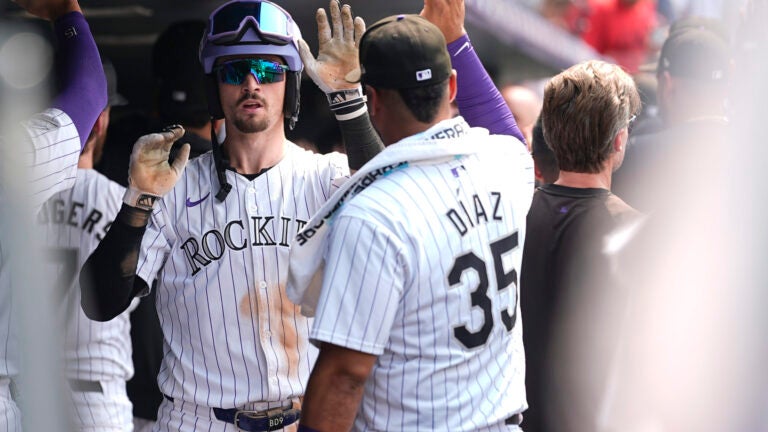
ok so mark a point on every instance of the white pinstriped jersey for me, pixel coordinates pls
(75, 221)
(422, 271)
(51, 159)
(231, 336)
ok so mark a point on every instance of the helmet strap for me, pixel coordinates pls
(292, 99)
(222, 164)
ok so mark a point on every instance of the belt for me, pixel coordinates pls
(85, 386)
(515, 419)
(256, 421)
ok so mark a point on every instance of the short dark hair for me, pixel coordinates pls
(585, 107)
(424, 102)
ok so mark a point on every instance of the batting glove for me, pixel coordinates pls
(150, 174)
(336, 71)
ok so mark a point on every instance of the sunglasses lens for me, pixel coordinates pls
(233, 72)
(265, 72)
(271, 21)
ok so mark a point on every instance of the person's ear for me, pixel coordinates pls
(452, 86)
(374, 100)
(620, 142)
(99, 128)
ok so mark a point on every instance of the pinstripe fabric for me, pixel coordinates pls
(231, 336)
(54, 154)
(74, 222)
(51, 160)
(110, 411)
(386, 291)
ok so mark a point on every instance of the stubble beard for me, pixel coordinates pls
(249, 123)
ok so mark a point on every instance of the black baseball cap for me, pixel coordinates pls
(696, 53)
(403, 51)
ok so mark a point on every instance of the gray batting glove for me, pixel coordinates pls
(337, 66)
(151, 176)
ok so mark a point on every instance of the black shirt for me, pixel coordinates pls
(562, 257)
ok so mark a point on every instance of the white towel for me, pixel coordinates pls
(448, 139)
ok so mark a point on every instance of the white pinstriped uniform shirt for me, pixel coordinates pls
(411, 276)
(51, 160)
(75, 221)
(231, 336)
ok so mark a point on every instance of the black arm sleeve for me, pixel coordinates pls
(361, 141)
(108, 279)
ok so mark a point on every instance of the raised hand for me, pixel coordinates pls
(447, 15)
(151, 176)
(338, 52)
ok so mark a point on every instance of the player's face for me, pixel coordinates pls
(252, 106)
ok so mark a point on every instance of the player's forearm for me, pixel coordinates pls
(479, 101)
(83, 93)
(361, 141)
(335, 389)
(108, 279)
(331, 402)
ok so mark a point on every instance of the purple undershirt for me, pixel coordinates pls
(83, 87)
(479, 101)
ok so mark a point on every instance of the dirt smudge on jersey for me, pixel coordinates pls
(290, 317)
(249, 305)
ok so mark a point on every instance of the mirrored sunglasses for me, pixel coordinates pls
(228, 22)
(265, 71)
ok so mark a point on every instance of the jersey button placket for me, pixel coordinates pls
(266, 335)
(250, 201)
(261, 299)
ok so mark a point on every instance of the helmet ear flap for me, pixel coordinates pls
(292, 98)
(212, 93)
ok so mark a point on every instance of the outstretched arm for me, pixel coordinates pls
(479, 101)
(108, 279)
(83, 87)
(336, 71)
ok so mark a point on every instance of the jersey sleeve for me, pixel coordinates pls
(155, 247)
(52, 154)
(362, 286)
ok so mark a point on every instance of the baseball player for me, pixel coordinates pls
(97, 355)
(417, 317)
(56, 136)
(218, 242)
(236, 349)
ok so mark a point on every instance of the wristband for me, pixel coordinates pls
(139, 199)
(357, 112)
(341, 99)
